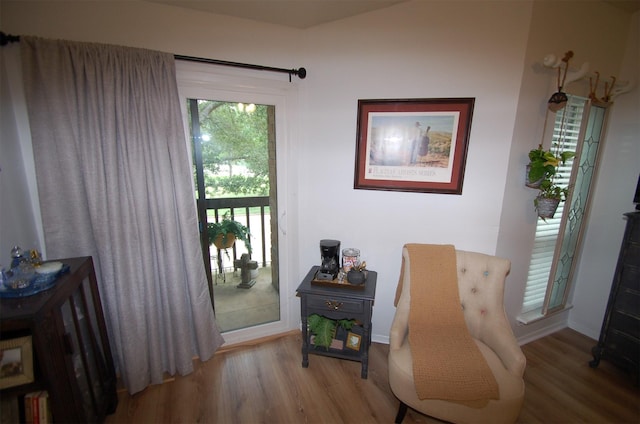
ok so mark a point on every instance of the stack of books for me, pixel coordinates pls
(36, 408)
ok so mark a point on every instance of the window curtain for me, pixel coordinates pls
(114, 182)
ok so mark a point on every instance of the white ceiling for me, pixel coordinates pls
(292, 13)
(308, 13)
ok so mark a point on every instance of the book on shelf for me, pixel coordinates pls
(31, 407)
(36, 408)
(28, 410)
(45, 410)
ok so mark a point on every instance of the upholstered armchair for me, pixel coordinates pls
(480, 280)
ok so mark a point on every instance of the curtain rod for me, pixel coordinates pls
(301, 73)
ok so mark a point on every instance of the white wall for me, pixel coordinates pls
(487, 50)
(413, 50)
(597, 33)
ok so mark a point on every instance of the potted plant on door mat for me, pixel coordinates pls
(225, 232)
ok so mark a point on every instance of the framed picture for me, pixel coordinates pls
(415, 145)
(16, 362)
(353, 341)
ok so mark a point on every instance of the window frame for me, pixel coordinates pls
(540, 307)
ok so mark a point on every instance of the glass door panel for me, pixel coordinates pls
(235, 178)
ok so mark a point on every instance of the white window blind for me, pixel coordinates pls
(566, 134)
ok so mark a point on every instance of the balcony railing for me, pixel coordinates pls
(253, 212)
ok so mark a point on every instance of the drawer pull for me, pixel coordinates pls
(333, 304)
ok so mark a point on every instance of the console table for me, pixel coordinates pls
(338, 303)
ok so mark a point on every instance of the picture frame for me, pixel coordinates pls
(16, 362)
(413, 145)
(353, 341)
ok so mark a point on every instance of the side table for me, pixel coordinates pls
(338, 303)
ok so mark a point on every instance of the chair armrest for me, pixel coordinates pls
(504, 344)
(399, 326)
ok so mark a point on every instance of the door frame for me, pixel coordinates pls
(198, 80)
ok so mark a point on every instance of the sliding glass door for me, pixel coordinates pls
(235, 180)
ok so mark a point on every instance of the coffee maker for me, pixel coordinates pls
(330, 257)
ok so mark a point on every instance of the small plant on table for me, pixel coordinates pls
(324, 329)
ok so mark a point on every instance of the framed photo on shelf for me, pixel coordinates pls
(16, 362)
(353, 341)
(416, 145)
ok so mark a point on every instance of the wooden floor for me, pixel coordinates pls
(265, 383)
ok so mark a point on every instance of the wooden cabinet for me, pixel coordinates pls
(71, 350)
(338, 303)
(620, 335)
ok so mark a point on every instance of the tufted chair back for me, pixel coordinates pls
(481, 280)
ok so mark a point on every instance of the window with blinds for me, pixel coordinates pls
(566, 134)
(578, 127)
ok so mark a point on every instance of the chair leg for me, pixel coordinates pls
(402, 410)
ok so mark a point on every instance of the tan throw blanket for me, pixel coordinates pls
(447, 363)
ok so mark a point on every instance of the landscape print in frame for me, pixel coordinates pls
(16, 362)
(415, 145)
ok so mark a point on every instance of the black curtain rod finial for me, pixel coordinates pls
(302, 73)
(8, 38)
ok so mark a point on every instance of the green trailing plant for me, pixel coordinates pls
(549, 190)
(543, 170)
(543, 164)
(550, 194)
(324, 329)
(222, 229)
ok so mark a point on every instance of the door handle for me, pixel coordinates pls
(282, 223)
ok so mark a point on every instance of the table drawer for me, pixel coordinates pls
(627, 301)
(335, 304)
(625, 323)
(630, 276)
(622, 346)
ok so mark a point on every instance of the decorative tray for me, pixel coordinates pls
(36, 284)
(345, 284)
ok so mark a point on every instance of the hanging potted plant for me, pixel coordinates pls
(224, 233)
(543, 165)
(542, 172)
(559, 99)
(535, 169)
(548, 199)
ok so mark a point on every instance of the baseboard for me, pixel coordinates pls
(254, 342)
(379, 338)
(542, 332)
(589, 332)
